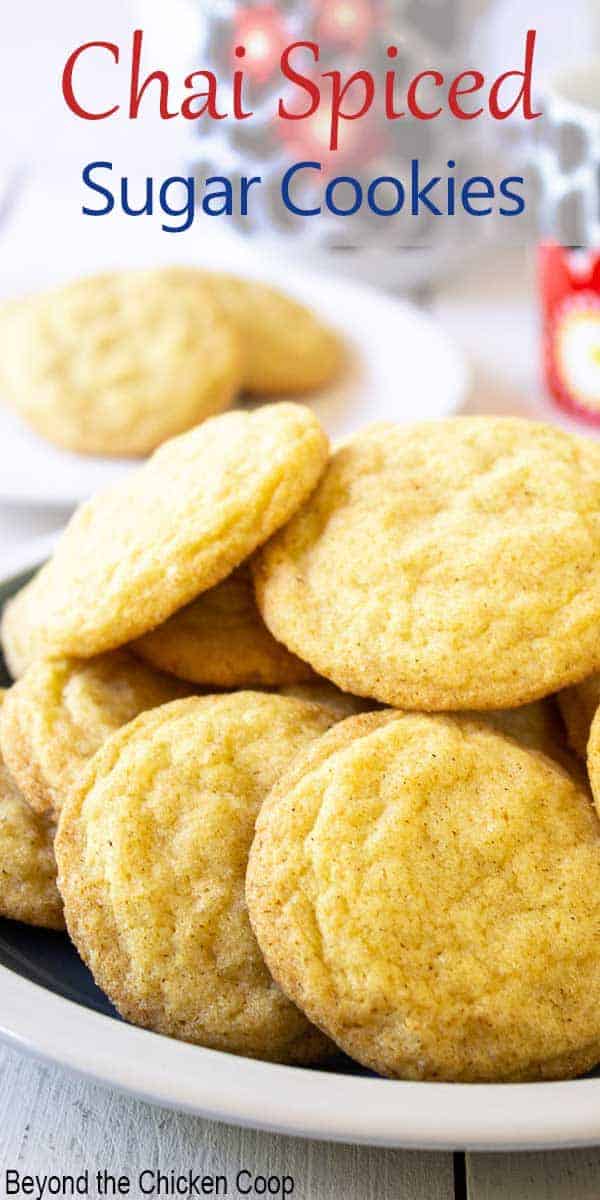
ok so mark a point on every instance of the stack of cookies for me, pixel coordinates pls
(289, 724)
(118, 363)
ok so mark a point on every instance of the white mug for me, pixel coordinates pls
(566, 157)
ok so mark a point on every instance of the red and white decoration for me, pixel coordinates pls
(570, 293)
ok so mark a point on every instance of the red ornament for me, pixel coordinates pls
(345, 23)
(262, 32)
(570, 295)
(309, 139)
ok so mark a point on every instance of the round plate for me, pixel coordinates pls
(51, 1007)
(401, 366)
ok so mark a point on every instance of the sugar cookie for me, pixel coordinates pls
(450, 565)
(117, 363)
(320, 691)
(579, 705)
(62, 710)
(19, 635)
(152, 849)
(537, 726)
(593, 758)
(285, 346)
(221, 640)
(28, 890)
(428, 892)
(133, 555)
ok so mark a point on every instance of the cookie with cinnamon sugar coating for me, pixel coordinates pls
(152, 850)
(220, 640)
(28, 890)
(428, 892)
(139, 551)
(444, 566)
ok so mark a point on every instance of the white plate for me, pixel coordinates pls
(316, 1104)
(401, 366)
(308, 1103)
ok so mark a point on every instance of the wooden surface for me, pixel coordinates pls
(557, 1175)
(53, 1123)
(50, 1122)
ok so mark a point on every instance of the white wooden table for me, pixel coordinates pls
(49, 1122)
(53, 1123)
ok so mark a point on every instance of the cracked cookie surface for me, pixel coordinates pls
(221, 640)
(152, 851)
(176, 526)
(445, 566)
(427, 891)
(28, 890)
(62, 710)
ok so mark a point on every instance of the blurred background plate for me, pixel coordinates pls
(401, 366)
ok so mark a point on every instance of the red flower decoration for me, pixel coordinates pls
(345, 22)
(263, 34)
(570, 294)
(308, 139)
